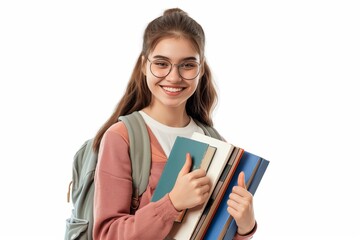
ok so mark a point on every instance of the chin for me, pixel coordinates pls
(172, 104)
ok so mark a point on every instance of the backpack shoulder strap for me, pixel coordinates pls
(140, 160)
(208, 130)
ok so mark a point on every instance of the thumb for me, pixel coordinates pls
(241, 180)
(187, 165)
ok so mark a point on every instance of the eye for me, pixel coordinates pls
(189, 65)
(161, 64)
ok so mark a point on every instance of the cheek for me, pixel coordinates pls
(195, 84)
(151, 82)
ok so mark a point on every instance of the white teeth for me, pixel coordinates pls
(172, 89)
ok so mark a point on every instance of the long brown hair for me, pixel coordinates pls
(173, 23)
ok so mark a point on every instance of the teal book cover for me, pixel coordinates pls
(199, 152)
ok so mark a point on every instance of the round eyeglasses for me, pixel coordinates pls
(188, 69)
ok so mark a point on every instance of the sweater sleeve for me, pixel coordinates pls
(247, 236)
(113, 194)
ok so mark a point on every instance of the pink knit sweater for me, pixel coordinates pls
(113, 192)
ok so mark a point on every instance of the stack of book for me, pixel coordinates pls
(222, 162)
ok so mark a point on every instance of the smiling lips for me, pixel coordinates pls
(173, 89)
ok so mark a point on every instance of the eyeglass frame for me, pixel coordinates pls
(176, 65)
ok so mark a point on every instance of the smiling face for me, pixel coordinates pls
(171, 91)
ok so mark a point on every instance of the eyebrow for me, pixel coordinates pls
(184, 59)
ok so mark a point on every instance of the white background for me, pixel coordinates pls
(287, 73)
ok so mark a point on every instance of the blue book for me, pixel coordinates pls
(222, 224)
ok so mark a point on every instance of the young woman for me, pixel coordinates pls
(171, 85)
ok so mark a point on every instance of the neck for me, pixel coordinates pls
(172, 117)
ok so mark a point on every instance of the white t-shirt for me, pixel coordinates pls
(166, 135)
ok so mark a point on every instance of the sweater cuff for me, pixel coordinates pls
(247, 236)
(166, 209)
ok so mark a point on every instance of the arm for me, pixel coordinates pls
(113, 192)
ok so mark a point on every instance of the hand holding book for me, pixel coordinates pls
(182, 168)
(240, 206)
(191, 187)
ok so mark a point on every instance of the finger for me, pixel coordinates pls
(242, 192)
(203, 189)
(203, 198)
(231, 211)
(232, 204)
(203, 181)
(198, 173)
(199, 183)
(234, 212)
(187, 165)
(239, 198)
(241, 180)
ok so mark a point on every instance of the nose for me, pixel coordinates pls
(174, 74)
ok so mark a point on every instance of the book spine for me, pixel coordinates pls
(258, 176)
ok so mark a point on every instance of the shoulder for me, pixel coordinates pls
(117, 129)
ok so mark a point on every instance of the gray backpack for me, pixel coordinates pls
(80, 225)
